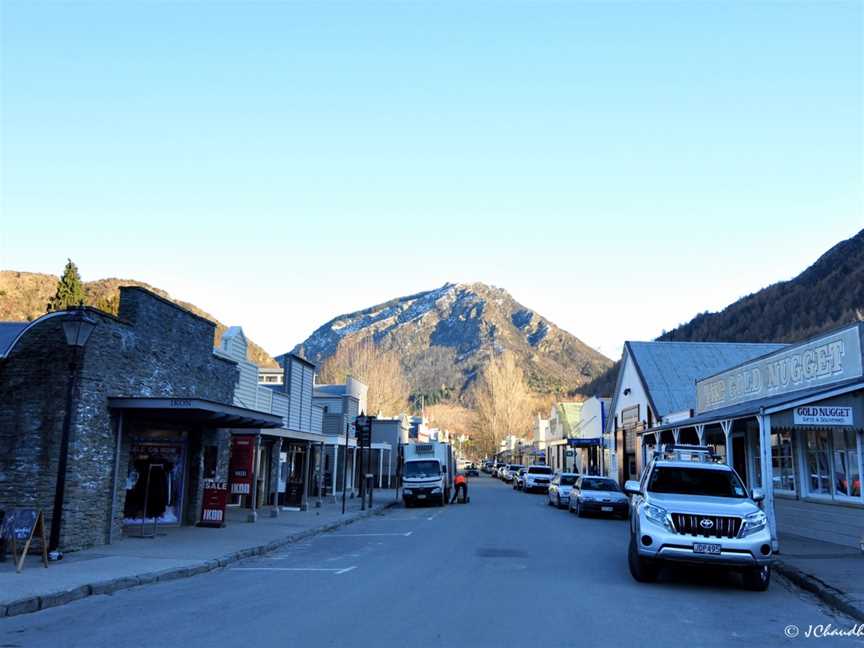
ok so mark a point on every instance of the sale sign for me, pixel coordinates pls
(213, 503)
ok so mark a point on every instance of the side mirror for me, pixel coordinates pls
(757, 495)
(631, 487)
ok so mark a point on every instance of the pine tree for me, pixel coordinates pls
(70, 290)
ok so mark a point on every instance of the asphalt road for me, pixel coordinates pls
(504, 570)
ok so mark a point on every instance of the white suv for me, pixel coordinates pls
(688, 508)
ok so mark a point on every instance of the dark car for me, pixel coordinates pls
(471, 471)
(598, 495)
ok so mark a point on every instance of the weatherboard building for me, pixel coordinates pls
(790, 421)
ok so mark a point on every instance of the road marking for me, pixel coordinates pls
(335, 571)
(365, 535)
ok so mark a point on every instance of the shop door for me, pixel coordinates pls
(294, 485)
(739, 457)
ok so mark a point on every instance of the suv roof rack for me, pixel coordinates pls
(684, 452)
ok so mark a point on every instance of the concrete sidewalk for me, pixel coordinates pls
(834, 573)
(175, 553)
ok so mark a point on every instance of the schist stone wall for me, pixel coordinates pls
(153, 349)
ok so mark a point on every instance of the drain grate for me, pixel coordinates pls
(497, 552)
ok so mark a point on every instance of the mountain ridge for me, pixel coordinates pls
(444, 336)
(24, 297)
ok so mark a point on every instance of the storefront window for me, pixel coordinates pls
(818, 468)
(847, 473)
(782, 462)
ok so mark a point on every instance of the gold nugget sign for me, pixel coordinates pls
(20, 526)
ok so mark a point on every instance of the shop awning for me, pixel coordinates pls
(195, 411)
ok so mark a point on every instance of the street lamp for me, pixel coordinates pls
(77, 327)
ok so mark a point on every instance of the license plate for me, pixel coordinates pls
(421, 497)
(606, 509)
(706, 548)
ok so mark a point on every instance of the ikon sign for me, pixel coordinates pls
(829, 415)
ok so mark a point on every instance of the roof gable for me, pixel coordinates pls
(669, 370)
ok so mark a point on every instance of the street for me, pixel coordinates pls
(505, 569)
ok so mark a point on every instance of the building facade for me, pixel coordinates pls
(151, 405)
(791, 423)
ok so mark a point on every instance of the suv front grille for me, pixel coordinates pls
(718, 526)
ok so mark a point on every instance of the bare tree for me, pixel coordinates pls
(380, 370)
(502, 402)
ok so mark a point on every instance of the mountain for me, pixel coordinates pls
(828, 294)
(24, 296)
(445, 336)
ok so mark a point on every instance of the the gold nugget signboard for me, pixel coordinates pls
(826, 360)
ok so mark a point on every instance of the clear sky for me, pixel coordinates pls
(618, 167)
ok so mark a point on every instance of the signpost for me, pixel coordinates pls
(363, 425)
(22, 525)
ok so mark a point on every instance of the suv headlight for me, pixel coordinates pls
(407, 491)
(436, 491)
(657, 515)
(754, 522)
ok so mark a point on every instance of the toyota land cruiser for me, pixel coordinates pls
(689, 508)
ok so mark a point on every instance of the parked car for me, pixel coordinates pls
(537, 478)
(560, 487)
(598, 495)
(519, 479)
(487, 467)
(471, 470)
(689, 508)
(509, 471)
(497, 468)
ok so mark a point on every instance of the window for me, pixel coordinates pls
(782, 461)
(847, 472)
(818, 468)
(696, 481)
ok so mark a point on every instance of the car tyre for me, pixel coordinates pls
(579, 512)
(757, 579)
(642, 570)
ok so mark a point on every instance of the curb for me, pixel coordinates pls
(830, 595)
(63, 597)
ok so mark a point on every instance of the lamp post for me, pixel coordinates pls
(77, 327)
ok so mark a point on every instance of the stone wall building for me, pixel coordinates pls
(150, 410)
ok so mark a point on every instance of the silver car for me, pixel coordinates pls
(598, 495)
(559, 490)
(688, 508)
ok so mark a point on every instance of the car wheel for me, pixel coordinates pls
(642, 570)
(579, 508)
(757, 579)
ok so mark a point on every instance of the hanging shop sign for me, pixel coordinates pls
(241, 465)
(213, 503)
(828, 415)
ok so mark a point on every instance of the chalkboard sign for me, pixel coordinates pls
(20, 525)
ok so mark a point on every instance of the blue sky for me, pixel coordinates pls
(616, 166)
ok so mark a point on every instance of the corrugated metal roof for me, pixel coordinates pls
(8, 332)
(669, 370)
(570, 415)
